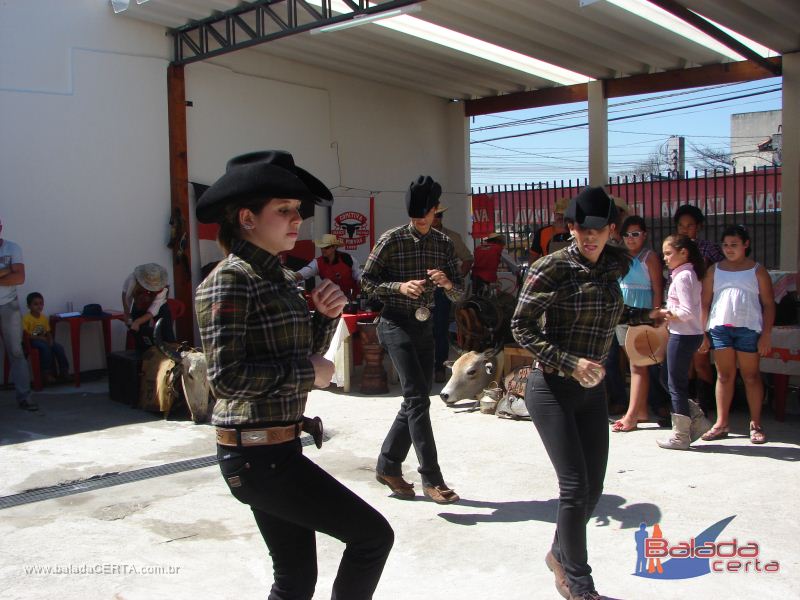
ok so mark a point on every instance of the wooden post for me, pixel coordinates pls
(179, 198)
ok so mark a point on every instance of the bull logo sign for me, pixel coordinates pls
(352, 228)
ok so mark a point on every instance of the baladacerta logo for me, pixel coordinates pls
(660, 557)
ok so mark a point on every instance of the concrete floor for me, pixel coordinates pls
(202, 543)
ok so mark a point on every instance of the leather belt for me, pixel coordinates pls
(549, 370)
(269, 436)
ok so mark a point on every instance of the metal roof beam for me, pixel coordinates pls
(249, 25)
(695, 20)
(745, 70)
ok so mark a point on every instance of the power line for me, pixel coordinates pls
(624, 117)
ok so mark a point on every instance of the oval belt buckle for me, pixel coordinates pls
(423, 313)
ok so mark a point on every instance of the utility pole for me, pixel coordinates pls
(676, 156)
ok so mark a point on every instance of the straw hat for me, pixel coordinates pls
(561, 205)
(621, 205)
(495, 236)
(440, 209)
(151, 276)
(328, 240)
(646, 345)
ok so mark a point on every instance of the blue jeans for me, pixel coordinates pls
(291, 499)
(573, 424)
(441, 326)
(409, 344)
(11, 328)
(46, 354)
(680, 350)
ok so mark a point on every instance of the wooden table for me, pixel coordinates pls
(75, 334)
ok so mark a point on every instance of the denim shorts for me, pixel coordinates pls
(740, 339)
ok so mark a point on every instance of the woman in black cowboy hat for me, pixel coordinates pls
(575, 289)
(264, 352)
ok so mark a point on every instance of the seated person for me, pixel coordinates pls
(487, 258)
(553, 237)
(37, 325)
(340, 267)
(144, 301)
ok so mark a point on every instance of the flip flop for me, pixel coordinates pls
(619, 427)
(757, 435)
(715, 433)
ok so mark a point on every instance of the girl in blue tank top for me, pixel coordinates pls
(642, 287)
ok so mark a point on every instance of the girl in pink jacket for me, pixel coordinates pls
(687, 267)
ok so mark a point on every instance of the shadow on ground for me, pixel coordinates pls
(62, 414)
(609, 508)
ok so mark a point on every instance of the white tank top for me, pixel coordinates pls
(736, 299)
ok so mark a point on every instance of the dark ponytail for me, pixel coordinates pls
(683, 242)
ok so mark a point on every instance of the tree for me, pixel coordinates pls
(653, 165)
(711, 159)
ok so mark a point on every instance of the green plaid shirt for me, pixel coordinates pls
(257, 336)
(402, 254)
(568, 308)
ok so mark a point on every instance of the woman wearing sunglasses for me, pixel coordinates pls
(642, 287)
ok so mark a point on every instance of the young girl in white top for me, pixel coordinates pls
(739, 305)
(687, 267)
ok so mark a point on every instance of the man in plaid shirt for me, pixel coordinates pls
(403, 270)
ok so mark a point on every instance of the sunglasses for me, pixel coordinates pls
(632, 234)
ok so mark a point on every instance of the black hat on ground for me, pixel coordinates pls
(591, 209)
(267, 174)
(422, 195)
(688, 209)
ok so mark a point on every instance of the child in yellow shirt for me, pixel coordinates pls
(37, 326)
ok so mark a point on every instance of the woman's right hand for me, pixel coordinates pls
(323, 370)
(588, 373)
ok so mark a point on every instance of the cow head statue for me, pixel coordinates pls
(471, 373)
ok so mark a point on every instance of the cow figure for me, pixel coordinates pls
(191, 370)
(471, 374)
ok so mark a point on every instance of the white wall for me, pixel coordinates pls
(84, 150)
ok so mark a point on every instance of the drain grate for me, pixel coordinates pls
(111, 479)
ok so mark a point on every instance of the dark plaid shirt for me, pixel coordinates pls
(710, 251)
(257, 336)
(403, 254)
(568, 308)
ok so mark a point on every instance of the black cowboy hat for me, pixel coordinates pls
(422, 195)
(591, 209)
(266, 174)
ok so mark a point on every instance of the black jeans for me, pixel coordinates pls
(410, 345)
(144, 337)
(441, 326)
(573, 424)
(292, 498)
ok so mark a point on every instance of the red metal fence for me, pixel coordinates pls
(749, 198)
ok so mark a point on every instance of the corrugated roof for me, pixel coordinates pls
(601, 41)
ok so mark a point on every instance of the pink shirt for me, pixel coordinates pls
(683, 301)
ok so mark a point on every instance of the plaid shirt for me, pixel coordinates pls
(710, 251)
(257, 335)
(402, 254)
(568, 308)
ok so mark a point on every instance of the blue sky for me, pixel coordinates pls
(562, 154)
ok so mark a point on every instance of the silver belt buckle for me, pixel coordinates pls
(253, 438)
(423, 313)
